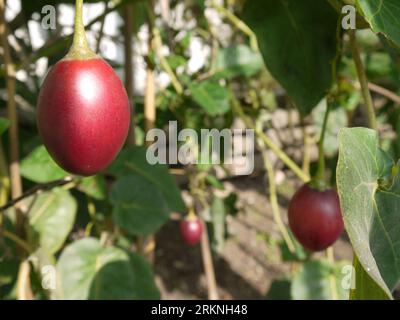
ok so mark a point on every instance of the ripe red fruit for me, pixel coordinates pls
(315, 217)
(191, 230)
(83, 112)
(83, 115)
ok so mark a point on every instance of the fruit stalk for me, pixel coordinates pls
(80, 48)
(319, 178)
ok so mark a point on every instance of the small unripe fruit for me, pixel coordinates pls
(315, 217)
(191, 230)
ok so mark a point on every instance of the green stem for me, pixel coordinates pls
(80, 48)
(273, 198)
(238, 24)
(13, 237)
(278, 151)
(157, 48)
(362, 77)
(320, 175)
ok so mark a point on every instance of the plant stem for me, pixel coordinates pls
(278, 151)
(274, 203)
(332, 278)
(238, 24)
(362, 77)
(79, 39)
(80, 48)
(15, 177)
(101, 31)
(306, 151)
(129, 79)
(20, 242)
(24, 290)
(147, 245)
(320, 175)
(4, 177)
(208, 266)
(380, 90)
(36, 190)
(157, 46)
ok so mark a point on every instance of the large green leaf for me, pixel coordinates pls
(51, 217)
(39, 167)
(87, 270)
(365, 287)
(133, 160)
(313, 281)
(139, 205)
(211, 96)
(238, 60)
(383, 16)
(370, 205)
(298, 42)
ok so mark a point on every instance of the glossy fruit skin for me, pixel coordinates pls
(315, 217)
(191, 230)
(83, 115)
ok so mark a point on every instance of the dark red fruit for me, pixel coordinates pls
(83, 115)
(191, 230)
(315, 217)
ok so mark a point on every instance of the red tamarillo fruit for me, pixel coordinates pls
(315, 217)
(191, 229)
(83, 112)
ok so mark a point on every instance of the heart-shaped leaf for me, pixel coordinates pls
(39, 167)
(51, 217)
(87, 270)
(370, 204)
(139, 206)
(383, 16)
(133, 161)
(298, 42)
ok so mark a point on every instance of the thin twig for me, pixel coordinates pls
(380, 90)
(36, 190)
(147, 244)
(56, 41)
(15, 177)
(237, 108)
(129, 69)
(20, 242)
(208, 266)
(332, 279)
(238, 24)
(157, 47)
(101, 31)
(24, 290)
(274, 203)
(362, 77)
